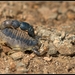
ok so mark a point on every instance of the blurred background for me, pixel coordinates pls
(38, 11)
(59, 16)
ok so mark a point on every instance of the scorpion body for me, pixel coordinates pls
(16, 39)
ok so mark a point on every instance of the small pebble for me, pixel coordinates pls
(22, 70)
(17, 55)
(47, 58)
(12, 66)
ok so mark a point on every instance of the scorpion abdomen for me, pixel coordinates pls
(19, 36)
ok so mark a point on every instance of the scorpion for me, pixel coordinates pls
(16, 39)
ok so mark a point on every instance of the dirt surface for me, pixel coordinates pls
(55, 22)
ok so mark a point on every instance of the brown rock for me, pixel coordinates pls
(47, 13)
(17, 55)
(12, 66)
(71, 15)
(47, 58)
(22, 70)
(66, 50)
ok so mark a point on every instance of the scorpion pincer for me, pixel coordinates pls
(15, 24)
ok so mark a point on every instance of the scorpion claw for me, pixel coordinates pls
(29, 28)
(10, 24)
(15, 24)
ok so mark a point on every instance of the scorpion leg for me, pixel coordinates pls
(35, 50)
(15, 49)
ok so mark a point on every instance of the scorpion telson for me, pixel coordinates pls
(15, 24)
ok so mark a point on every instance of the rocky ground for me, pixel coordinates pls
(55, 22)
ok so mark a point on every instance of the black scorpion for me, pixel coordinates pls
(19, 39)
